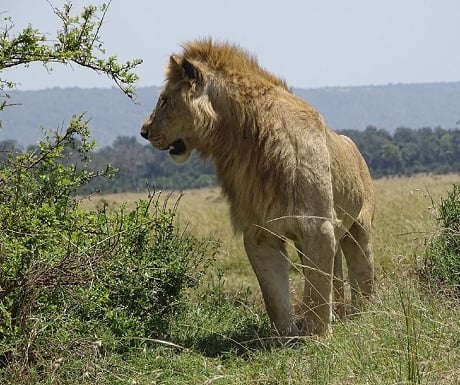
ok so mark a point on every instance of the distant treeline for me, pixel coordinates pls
(406, 152)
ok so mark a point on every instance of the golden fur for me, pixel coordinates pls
(285, 174)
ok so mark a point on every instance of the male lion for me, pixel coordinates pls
(285, 173)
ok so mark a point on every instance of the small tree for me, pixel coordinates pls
(68, 274)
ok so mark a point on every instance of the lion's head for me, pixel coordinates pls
(177, 118)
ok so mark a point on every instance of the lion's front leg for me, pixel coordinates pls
(271, 266)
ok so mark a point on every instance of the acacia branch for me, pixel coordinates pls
(75, 43)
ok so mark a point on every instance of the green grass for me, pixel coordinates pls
(404, 336)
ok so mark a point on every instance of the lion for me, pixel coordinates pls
(285, 174)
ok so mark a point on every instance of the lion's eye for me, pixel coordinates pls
(162, 101)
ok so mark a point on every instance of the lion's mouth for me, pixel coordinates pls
(177, 147)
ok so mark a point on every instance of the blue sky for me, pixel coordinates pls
(309, 43)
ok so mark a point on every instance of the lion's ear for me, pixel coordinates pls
(175, 60)
(191, 71)
(188, 69)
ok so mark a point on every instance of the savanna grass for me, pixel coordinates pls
(404, 336)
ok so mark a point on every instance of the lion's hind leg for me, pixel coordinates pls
(317, 250)
(339, 305)
(358, 253)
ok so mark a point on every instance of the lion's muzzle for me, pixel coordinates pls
(159, 141)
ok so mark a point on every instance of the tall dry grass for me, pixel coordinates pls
(404, 218)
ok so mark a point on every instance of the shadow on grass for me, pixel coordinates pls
(219, 325)
(249, 337)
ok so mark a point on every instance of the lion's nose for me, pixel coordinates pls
(144, 133)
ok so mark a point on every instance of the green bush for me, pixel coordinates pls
(139, 290)
(442, 259)
(72, 278)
